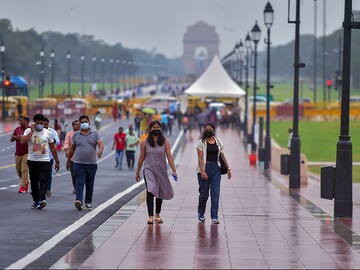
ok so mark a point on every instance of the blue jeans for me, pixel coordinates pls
(119, 155)
(212, 169)
(84, 174)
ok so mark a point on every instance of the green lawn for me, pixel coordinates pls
(318, 140)
(284, 90)
(60, 88)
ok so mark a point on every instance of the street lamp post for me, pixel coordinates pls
(103, 72)
(52, 56)
(240, 51)
(315, 51)
(255, 36)
(68, 56)
(82, 74)
(94, 68)
(41, 83)
(118, 73)
(248, 50)
(111, 73)
(269, 20)
(343, 205)
(2, 50)
(294, 166)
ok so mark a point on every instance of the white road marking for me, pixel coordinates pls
(45, 247)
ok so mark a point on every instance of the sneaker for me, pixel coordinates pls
(201, 218)
(215, 221)
(34, 205)
(21, 190)
(88, 206)
(48, 193)
(78, 205)
(41, 204)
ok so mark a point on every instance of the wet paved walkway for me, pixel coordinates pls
(263, 224)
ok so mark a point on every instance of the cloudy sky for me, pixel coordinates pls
(161, 24)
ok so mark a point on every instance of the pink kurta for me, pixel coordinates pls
(155, 172)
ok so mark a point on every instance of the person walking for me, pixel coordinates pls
(83, 144)
(131, 141)
(137, 122)
(154, 151)
(209, 150)
(76, 127)
(97, 120)
(21, 153)
(119, 146)
(115, 110)
(57, 142)
(40, 142)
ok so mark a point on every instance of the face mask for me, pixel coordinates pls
(208, 134)
(84, 126)
(39, 127)
(156, 132)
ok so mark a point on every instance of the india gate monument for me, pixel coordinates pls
(201, 44)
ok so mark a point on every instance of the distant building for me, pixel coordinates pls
(201, 44)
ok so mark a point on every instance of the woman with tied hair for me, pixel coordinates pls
(209, 149)
(153, 152)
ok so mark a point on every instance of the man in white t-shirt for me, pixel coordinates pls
(40, 142)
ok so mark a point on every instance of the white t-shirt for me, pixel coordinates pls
(38, 145)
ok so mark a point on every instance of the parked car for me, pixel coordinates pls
(259, 99)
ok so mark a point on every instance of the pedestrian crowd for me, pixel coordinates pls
(36, 154)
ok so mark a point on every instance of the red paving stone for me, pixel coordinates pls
(261, 226)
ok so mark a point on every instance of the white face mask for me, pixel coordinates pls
(84, 126)
(39, 127)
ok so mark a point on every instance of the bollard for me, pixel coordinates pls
(284, 164)
(327, 182)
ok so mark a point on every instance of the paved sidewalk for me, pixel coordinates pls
(263, 224)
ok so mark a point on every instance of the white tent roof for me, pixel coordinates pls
(215, 82)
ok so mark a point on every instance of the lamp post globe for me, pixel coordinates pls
(52, 56)
(255, 36)
(268, 20)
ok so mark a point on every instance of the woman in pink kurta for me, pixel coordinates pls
(153, 153)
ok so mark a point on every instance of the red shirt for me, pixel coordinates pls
(120, 141)
(21, 149)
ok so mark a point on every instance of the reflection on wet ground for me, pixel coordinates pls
(263, 224)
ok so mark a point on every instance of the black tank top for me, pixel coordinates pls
(212, 152)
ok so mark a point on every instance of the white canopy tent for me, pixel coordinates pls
(215, 82)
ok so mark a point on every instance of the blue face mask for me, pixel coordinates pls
(39, 127)
(84, 126)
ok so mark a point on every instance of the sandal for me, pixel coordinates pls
(150, 220)
(159, 220)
